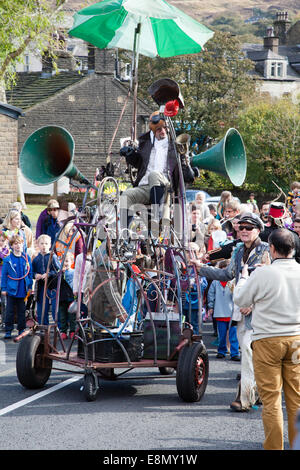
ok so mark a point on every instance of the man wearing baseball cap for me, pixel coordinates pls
(251, 251)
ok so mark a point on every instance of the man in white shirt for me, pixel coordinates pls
(274, 294)
(155, 160)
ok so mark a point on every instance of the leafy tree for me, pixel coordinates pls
(214, 83)
(271, 132)
(25, 24)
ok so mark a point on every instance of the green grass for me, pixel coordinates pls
(33, 211)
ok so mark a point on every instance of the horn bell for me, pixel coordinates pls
(227, 157)
(47, 155)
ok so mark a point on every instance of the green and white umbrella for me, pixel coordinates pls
(163, 30)
(149, 27)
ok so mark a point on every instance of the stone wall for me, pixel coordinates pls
(9, 162)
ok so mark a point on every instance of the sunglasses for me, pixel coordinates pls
(246, 227)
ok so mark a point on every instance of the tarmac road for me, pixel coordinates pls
(128, 414)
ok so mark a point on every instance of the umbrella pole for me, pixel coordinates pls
(134, 84)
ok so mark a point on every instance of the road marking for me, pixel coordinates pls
(7, 372)
(24, 402)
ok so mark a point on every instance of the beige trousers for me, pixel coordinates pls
(141, 194)
(276, 363)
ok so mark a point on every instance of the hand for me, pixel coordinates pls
(246, 310)
(210, 312)
(196, 262)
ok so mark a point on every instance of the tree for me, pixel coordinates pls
(214, 83)
(271, 133)
(25, 24)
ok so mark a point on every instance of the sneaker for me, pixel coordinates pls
(7, 335)
(235, 358)
(220, 356)
(71, 335)
(63, 336)
(237, 406)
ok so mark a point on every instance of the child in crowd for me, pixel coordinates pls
(39, 267)
(190, 303)
(253, 203)
(226, 196)
(66, 297)
(220, 304)
(81, 279)
(4, 252)
(16, 283)
(293, 194)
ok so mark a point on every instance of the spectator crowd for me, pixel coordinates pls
(224, 238)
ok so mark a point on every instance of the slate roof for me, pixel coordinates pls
(32, 88)
(258, 54)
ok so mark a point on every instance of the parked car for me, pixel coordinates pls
(191, 194)
(216, 199)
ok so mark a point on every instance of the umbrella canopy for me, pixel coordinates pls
(163, 30)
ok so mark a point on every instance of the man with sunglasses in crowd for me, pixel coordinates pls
(156, 163)
(251, 251)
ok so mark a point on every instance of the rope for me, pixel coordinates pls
(117, 127)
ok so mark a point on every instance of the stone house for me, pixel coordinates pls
(88, 104)
(9, 116)
(277, 60)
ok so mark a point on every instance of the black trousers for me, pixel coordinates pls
(15, 304)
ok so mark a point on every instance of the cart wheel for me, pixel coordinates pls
(90, 386)
(166, 370)
(192, 372)
(108, 199)
(33, 370)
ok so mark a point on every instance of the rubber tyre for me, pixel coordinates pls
(192, 372)
(166, 370)
(31, 374)
(90, 387)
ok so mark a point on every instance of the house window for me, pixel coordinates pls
(277, 70)
(26, 65)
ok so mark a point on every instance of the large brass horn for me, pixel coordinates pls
(227, 157)
(47, 155)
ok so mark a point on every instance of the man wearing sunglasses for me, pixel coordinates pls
(251, 251)
(157, 172)
(155, 161)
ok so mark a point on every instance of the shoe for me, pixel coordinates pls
(7, 335)
(235, 358)
(220, 356)
(71, 335)
(63, 336)
(237, 406)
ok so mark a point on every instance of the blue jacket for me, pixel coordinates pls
(219, 298)
(51, 227)
(39, 266)
(9, 282)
